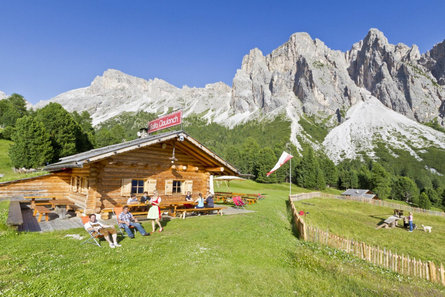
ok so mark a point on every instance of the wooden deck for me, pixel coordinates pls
(30, 223)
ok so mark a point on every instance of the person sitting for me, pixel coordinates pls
(209, 201)
(133, 199)
(126, 220)
(145, 198)
(94, 227)
(200, 201)
(188, 198)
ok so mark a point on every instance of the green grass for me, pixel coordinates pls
(6, 165)
(253, 254)
(358, 221)
(407, 204)
(4, 206)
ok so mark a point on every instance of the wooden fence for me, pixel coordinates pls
(386, 258)
(370, 201)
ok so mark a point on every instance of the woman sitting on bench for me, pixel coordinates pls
(209, 200)
(200, 201)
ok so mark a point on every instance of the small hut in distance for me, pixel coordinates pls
(359, 193)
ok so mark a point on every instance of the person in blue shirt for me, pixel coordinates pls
(200, 201)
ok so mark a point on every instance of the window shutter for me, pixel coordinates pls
(186, 187)
(150, 186)
(126, 187)
(169, 187)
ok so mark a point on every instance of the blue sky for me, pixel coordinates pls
(49, 47)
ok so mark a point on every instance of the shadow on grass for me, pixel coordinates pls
(294, 229)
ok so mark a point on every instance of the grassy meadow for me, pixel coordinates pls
(254, 254)
(358, 221)
(6, 165)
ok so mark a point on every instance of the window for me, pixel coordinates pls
(137, 186)
(176, 186)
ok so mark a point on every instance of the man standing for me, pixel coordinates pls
(126, 220)
(93, 226)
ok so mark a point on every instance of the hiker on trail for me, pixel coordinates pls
(154, 214)
(94, 227)
(410, 220)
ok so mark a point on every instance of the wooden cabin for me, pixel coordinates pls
(171, 163)
(359, 193)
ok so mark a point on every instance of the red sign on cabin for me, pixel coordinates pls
(166, 121)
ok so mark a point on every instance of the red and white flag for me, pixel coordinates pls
(283, 159)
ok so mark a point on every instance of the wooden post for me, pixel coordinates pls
(442, 274)
(432, 271)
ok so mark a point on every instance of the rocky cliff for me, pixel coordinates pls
(301, 77)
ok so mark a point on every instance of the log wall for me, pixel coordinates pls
(55, 185)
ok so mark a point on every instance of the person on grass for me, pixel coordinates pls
(410, 221)
(126, 220)
(94, 227)
(154, 214)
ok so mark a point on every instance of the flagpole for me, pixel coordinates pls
(290, 177)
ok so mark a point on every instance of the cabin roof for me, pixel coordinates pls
(78, 160)
(359, 193)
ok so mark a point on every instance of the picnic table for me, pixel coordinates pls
(203, 210)
(61, 207)
(174, 206)
(390, 222)
(39, 200)
(249, 198)
(138, 208)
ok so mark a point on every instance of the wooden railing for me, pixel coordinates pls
(369, 201)
(379, 256)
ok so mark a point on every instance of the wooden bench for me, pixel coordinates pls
(42, 210)
(105, 213)
(39, 200)
(183, 211)
(15, 217)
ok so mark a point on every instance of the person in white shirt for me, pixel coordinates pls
(95, 227)
(133, 199)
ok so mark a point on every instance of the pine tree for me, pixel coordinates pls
(329, 170)
(32, 144)
(64, 131)
(265, 163)
(404, 189)
(321, 183)
(424, 202)
(432, 196)
(380, 181)
(12, 109)
(308, 174)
